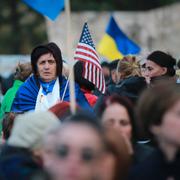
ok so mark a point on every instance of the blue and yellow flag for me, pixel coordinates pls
(49, 8)
(115, 43)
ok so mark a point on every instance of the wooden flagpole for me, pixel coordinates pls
(69, 56)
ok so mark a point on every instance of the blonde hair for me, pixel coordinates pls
(129, 66)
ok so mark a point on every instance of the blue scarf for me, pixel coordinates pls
(47, 86)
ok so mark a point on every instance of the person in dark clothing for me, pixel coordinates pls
(130, 82)
(18, 164)
(158, 118)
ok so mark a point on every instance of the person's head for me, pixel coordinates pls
(159, 63)
(116, 112)
(78, 148)
(128, 66)
(113, 70)
(29, 128)
(23, 71)
(46, 61)
(78, 76)
(158, 113)
(106, 70)
(117, 159)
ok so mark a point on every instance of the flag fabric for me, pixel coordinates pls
(115, 43)
(49, 8)
(86, 52)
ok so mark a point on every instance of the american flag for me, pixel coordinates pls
(86, 52)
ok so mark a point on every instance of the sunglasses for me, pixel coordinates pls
(87, 154)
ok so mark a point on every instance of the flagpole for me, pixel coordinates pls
(69, 56)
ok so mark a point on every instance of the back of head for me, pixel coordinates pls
(129, 66)
(164, 60)
(87, 118)
(105, 64)
(29, 129)
(23, 71)
(113, 64)
(45, 49)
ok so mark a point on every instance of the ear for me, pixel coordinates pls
(164, 70)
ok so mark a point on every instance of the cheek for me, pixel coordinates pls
(127, 130)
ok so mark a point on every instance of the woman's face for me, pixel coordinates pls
(46, 66)
(78, 151)
(154, 70)
(116, 116)
(168, 132)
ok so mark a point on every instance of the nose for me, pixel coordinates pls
(46, 65)
(146, 72)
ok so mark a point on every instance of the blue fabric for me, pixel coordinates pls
(26, 96)
(47, 87)
(49, 8)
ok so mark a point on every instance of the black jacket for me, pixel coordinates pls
(155, 167)
(130, 87)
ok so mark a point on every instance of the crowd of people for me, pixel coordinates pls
(132, 132)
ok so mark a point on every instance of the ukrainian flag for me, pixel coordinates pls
(115, 44)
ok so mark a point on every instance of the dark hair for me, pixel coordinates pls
(163, 60)
(154, 103)
(125, 102)
(44, 49)
(7, 124)
(85, 117)
(78, 74)
(105, 64)
(178, 64)
(113, 64)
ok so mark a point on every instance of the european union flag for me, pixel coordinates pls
(49, 8)
(115, 43)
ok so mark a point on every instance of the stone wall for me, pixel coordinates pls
(154, 29)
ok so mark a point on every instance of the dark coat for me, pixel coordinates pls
(155, 167)
(130, 87)
(17, 164)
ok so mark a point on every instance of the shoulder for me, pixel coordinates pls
(150, 168)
